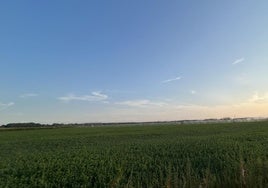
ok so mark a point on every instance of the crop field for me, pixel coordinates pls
(205, 155)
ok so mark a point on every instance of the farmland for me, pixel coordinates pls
(205, 155)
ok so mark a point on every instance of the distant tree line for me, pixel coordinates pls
(17, 125)
(222, 120)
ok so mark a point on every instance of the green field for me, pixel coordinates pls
(214, 155)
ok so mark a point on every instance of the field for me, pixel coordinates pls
(205, 155)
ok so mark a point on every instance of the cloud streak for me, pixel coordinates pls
(7, 105)
(94, 97)
(171, 80)
(26, 95)
(258, 98)
(238, 61)
(141, 103)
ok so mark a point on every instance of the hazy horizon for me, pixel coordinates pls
(123, 61)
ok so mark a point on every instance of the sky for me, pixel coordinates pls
(116, 61)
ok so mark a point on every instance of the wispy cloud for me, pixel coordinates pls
(193, 92)
(4, 106)
(258, 98)
(95, 96)
(141, 103)
(26, 95)
(240, 60)
(171, 80)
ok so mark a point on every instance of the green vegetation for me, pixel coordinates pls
(214, 155)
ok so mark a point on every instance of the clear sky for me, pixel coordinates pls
(107, 61)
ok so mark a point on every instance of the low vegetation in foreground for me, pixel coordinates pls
(206, 155)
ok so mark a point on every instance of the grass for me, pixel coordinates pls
(213, 155)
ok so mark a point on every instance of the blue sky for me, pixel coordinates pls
(102, 61)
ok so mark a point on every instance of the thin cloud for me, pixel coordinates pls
(193, 92)
(238, 61)
(141, 103)
(7, 105)
(26, 95)
(171, 80)
(259, 98)
(94, 97)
